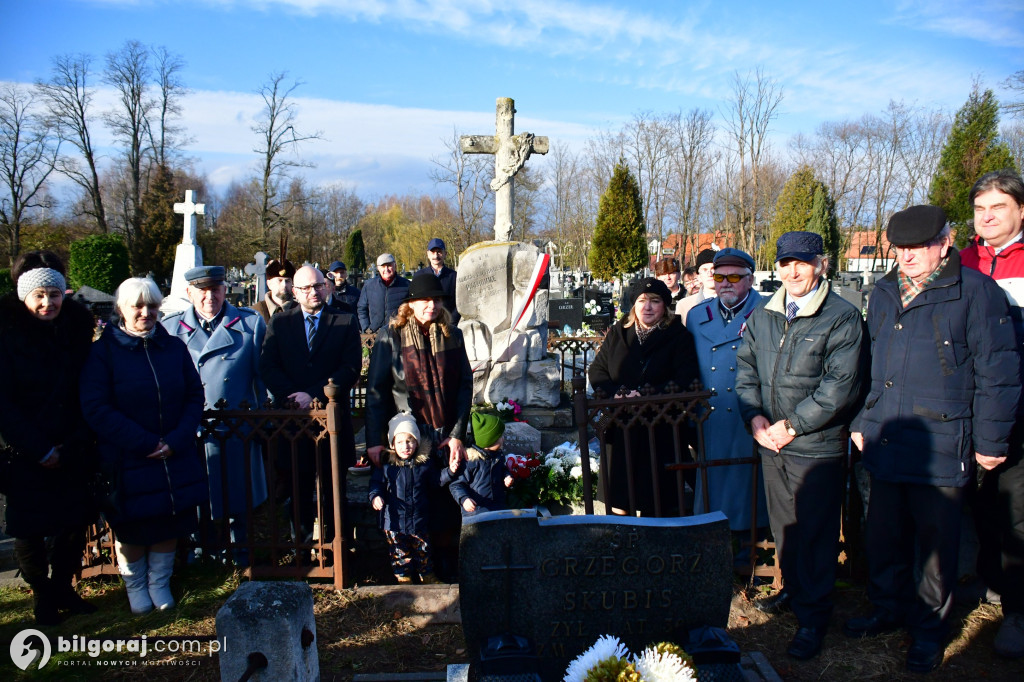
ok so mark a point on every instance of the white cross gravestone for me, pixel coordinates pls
(258, 267)
(187, 256)
(510, 154)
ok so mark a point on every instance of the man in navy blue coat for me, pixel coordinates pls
(943, 395)
(305, 347)
(436, 253)
(381, 296)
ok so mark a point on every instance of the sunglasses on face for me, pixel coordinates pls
(732, 278)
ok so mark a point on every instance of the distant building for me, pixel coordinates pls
(869, 252)
(686, 250)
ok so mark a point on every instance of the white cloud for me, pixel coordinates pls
(995, 22)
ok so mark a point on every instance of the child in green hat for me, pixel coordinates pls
(479, 484)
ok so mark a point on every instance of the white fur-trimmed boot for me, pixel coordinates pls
(136, 581)
(161, 565)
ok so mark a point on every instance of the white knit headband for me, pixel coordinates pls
(40, 277)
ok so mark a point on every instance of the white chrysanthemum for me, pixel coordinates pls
(606, 646)
(576, 472)
(667, 667)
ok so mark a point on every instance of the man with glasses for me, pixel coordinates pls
(382, 295)
(941, 397)
(305, 347)
(718, 326)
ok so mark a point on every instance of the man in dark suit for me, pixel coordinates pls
(306, 346)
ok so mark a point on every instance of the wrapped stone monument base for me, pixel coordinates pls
(493, 283)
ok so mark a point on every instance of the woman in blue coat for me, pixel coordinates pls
(143, 398)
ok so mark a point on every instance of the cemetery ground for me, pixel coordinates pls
(358, 632)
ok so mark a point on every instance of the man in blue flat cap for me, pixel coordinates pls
(799, 374)
(436, 253)
(343, 290)
(225, 344)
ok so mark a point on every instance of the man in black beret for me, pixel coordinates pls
(706, 284)
(941, 397)
(798, 382)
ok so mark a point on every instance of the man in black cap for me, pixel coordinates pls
(225, 344)
(436, 253)
(941, 397)
(343, 290)
(798, 383)
(705, 274)
(279, 289)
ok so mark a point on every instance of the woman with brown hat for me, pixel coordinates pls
(419, 366)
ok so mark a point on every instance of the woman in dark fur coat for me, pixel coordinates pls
(44, 341)
(648, 346)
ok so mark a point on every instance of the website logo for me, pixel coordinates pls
(23, 654)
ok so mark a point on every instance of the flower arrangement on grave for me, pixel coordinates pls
(591, 308)
(586, 330)
(508, 410)
(608, 660)
(555, 478)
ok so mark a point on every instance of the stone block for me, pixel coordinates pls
(521, 439)
(273, 619)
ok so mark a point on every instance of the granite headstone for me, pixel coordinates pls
(561, 582)
(565, 315)
(521, 439)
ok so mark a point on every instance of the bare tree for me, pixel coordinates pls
(68, 96)
(754, 105)
(692, 165)
(469, 176)
(1013, 136)
(649, 146)
(28, 152)
(278, 149)
(128, 71)
(168, 136)
(1015, 83)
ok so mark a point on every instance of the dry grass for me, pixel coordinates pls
(359, 634)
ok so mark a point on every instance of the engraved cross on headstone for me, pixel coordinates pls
(190, 210)
(507, 567)
(510, 154)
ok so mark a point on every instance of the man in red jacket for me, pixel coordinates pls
(998, 251)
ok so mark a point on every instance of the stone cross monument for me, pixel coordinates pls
(187, 256)
(258, 267)
(510, 154)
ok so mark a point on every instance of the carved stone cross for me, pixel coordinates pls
(510, 154)
(190, 210)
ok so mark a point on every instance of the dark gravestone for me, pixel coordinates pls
(565, 315)
(561, 582)
(850, 294)
(598, 323)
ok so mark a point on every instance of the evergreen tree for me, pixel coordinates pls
(972, 149)
(805, 204)
(619, 245)
(355, 252)
(161, 229)
(99, 261)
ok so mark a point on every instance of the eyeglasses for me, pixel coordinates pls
(319, 286)
(732, 278)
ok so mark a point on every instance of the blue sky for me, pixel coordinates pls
(386, 80)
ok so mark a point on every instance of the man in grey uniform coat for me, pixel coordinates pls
(225, 344)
